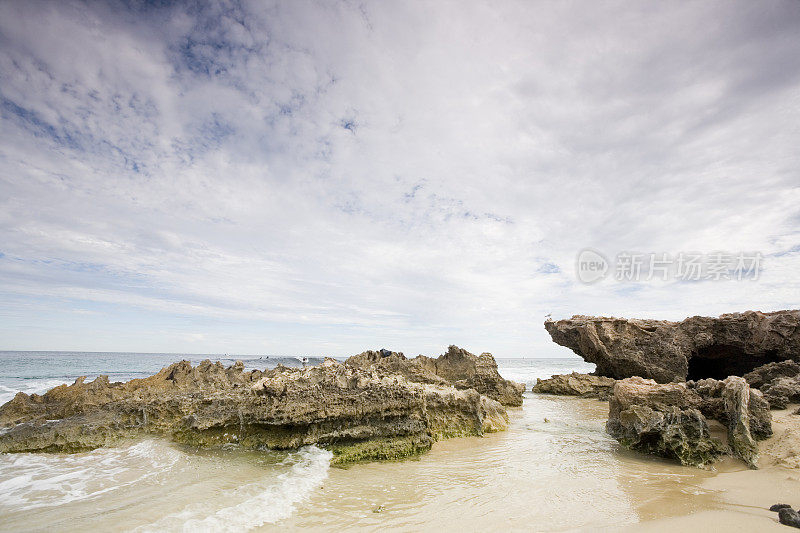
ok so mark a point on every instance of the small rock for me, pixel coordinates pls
(778, 506)
(575, 384)
(379, 509)
(789, 517)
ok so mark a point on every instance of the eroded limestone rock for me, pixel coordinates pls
(712, 405)
(661, 420)
(770, 372)
(696, 348)
(782, 391)
(359, 413)
(669, 419)
(575, 384)
(736, 397)
(456, 367)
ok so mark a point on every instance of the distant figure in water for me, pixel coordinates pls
(304, 360)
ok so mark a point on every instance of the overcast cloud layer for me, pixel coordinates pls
(322, 178)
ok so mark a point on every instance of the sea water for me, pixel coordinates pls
(554, 469)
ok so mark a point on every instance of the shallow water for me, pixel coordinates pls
(555, 469)
(556, 475)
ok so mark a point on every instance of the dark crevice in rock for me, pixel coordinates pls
(718, 361)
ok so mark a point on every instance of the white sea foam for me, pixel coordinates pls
(529, 370)
(29, 481)
(255, 504)
(32, 386)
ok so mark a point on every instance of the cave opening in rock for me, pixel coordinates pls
(719, 361)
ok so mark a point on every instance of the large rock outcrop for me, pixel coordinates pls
(575, 384)
(359, 413)
(669, 420)
(456, 367)
(696, 348)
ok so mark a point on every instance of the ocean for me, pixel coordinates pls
(555, 469)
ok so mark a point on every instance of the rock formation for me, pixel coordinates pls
(782, 391)
(669, 419)
(360, 412)
(575, 384)
(712, 404)
(661, 420)
(736, 398)
(770, 372)
(456, 367)
(696, 348)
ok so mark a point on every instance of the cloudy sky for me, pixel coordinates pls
(326, 177)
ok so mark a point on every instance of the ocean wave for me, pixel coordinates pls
(258, 503)
(29, 481)
(527, 371)
(30, 386)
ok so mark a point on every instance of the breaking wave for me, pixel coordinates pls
(33, 386)
(254, 504)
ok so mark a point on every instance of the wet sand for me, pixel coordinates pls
(742, 497)
(563, 474)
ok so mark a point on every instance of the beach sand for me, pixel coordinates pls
(742, 497)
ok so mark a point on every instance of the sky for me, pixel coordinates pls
(322, 178)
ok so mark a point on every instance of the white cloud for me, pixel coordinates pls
(317, 177)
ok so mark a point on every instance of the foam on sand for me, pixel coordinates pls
(257, 503)
(29, 481)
